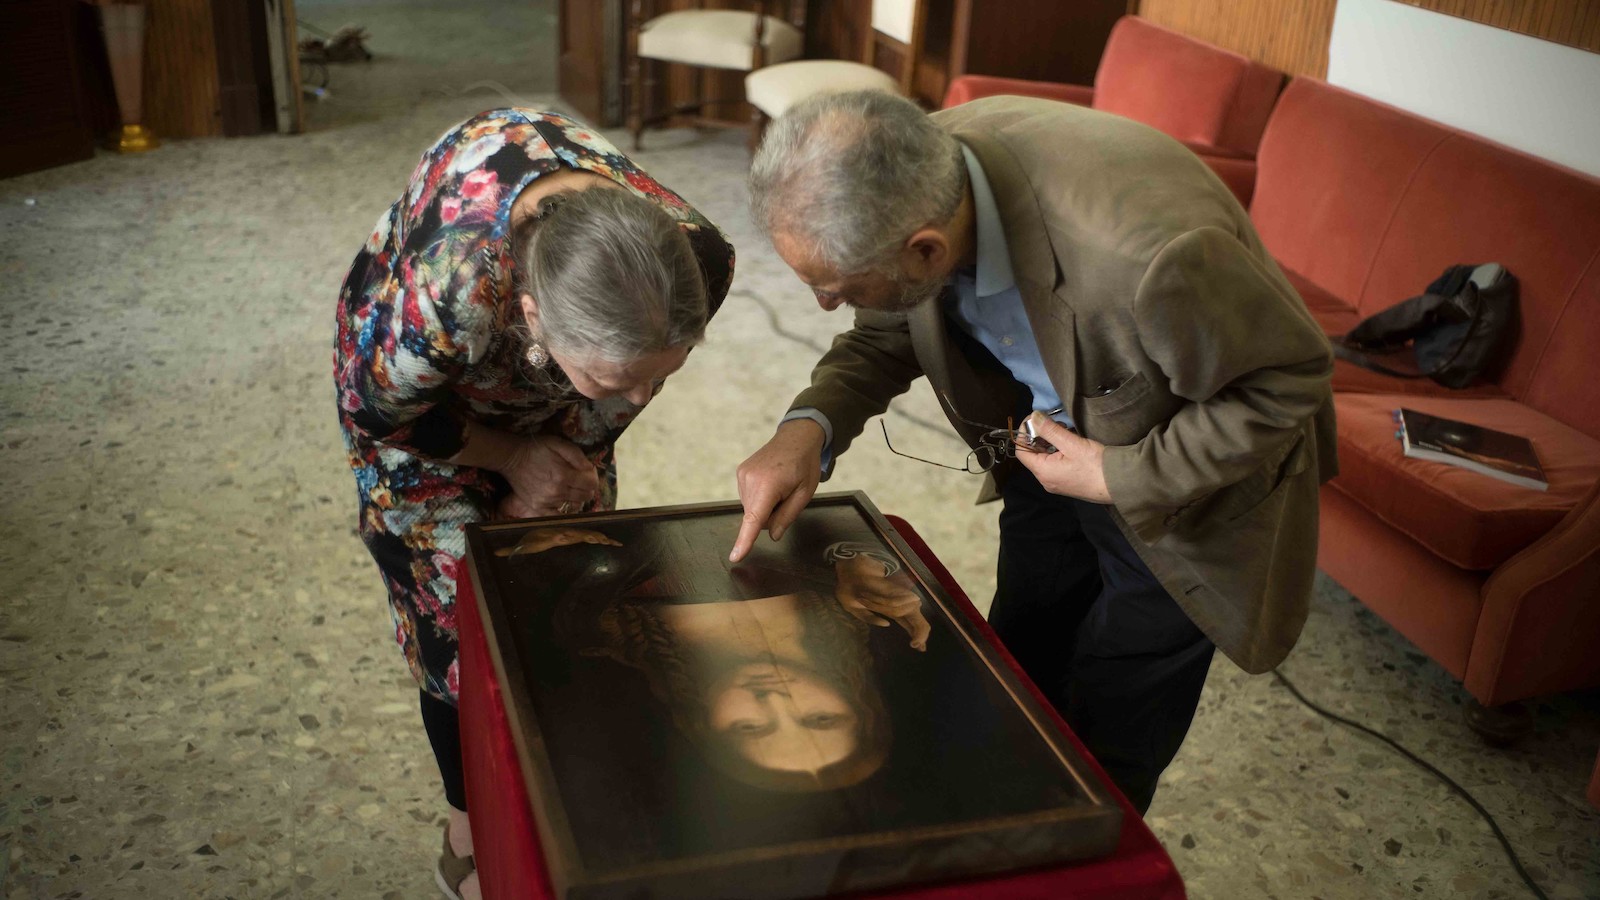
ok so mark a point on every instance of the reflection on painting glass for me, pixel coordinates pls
(778, 692)
(691, 706)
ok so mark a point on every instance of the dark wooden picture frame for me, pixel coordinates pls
(656, 767)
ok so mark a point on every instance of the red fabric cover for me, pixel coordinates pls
(971, 87)
(1474, 201)
(505, 844)
(1540, 623)
(511, 865)
(1351, 378)
(1191, 90)
(1236, 171)
(1331, 171)
(1471, 520)
(1372, 203)
(1238, 174)
(1334, 315)
(1336, 318)
(1562, 383)
(1434, 604)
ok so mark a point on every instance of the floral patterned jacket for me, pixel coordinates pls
(422, 329)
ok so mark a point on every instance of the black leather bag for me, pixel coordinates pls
(1455, 333)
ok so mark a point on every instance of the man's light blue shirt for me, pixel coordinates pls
(986, 304)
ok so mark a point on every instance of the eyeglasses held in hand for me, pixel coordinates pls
(994, 444)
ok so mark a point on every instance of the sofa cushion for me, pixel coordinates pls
(1238, 174)
(1334, 315)
(1191, 90)
(1237, 169)
(1561, 385)
(1474, 201)
(1471, 520)
(1351, 378)
(1336, 318)
(1331, 171)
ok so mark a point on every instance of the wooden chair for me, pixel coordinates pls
(894, 37)
(743, 40)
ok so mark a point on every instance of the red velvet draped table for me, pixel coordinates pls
(511, 865)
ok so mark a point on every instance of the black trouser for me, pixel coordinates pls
(443, 723)
(1097, 633)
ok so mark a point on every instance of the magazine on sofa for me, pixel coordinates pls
(1507, 457)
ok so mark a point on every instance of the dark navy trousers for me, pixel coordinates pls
(1096, 631)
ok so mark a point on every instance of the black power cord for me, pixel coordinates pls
(1511, 854)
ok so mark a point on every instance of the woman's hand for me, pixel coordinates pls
(538, 540)
(548, 476)
(864, 592)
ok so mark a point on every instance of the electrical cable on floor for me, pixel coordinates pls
(1511, 854)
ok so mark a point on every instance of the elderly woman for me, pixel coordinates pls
(509, 316)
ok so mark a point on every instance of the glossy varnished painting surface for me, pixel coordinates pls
(811, 709)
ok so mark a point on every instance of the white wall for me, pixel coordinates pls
(1538, 96)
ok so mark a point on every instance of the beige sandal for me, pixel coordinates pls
(452, 869)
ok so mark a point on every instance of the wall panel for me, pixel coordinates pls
(1535, 95)
(1291, 35)
(1575, 23)
(181, 96)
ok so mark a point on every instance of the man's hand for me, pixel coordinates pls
(1076, 469)
(777, 482)
(866, 593)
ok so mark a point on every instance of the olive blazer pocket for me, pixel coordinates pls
(1119, 416)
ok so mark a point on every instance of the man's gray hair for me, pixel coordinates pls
(853, 175)
(613, 274)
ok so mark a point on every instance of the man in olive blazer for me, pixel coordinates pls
(1180, 510)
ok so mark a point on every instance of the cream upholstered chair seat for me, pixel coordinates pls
(774, 89)
(717, 38)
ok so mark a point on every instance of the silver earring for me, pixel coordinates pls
(537, 354)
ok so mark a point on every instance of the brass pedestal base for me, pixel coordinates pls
(134, 139)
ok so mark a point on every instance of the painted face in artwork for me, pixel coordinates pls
(785, 718)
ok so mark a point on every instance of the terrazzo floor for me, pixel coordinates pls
(202, 695)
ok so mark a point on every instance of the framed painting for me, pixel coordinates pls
(817, 719)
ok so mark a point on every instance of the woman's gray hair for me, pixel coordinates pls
(853, 175)
(613, 274)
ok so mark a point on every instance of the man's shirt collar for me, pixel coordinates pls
(994, 274)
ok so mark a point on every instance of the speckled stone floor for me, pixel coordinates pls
(202, 698)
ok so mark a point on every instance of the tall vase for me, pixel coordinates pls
(123, 24)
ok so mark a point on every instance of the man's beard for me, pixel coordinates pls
(912, 294)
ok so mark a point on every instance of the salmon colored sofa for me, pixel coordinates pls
(1363, 205)
(1214, 101)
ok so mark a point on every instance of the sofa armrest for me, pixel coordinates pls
(972, 87)
(1540, 622)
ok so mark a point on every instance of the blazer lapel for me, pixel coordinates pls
(1055, 330)
(952, 378)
